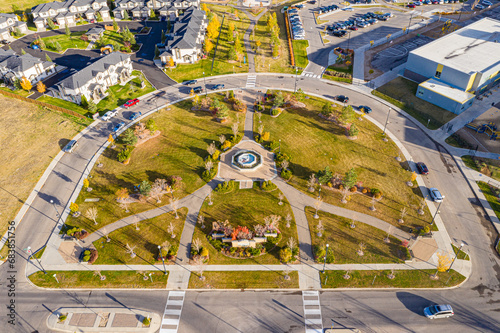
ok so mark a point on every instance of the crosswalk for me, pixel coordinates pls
(172, 314)
(310, 74)
(251, 81)
(312, 311)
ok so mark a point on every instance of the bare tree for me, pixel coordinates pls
(200, 267)
(105, 233)
(345, 192)
(235, 129)
(171, 229)
(259, 115)
(209, 165)
(260, 129)
(353, 224)
(403, 214)
(387, 238)
(311, 183)
(197, 244)
(157, 189)
(288, 269)
(144, 275)
(391, 275)
(101, 277)
(211, 148)
(361, 248)
(421, 207)
(372, 207)
(91, 214)
(285, 164)
(174, 203)
(320, 228)
(210, 197)
(201, 220)
(317, 206)
(292, 243)
(130, 250)
(288, 219)
(347, 276)
(136, 223)
(281, 196)
(222, 139)
(124, 206)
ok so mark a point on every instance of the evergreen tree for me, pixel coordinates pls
(66, 30)
(163, 37)
(125, 15)
(47, 57)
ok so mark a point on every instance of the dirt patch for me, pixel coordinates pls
(125, 320)
(83, 319)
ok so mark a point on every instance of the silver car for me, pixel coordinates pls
(108, 115)
(70, 146)
(438, 311)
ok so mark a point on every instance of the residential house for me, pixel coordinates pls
(10, 23)
(14, 67)
(94, 80)
(95, 33)
(185, 42)
(67, 13)
(141, 9)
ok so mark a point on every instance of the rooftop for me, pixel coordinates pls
(447, 90)
(474, 48)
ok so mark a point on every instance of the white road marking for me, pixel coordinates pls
(312, 311)
(173, 310)
(251, 81)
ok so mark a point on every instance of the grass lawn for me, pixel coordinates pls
(6, 5)
(401, 92)
(35, 135)
(221, 65)
(111, 37)
(491, 196)
(264, 61)
(246, 208)
(87, 279)
(344, 240)
(300, 53)
(314, 143)
(456, 140)
(244, 280)
(151, 233)
(180, 150)
(487, 166)
(39, 254)
(20, 92)
(123, 93)
(337, 72)
(73, 41)
(403, 279)
(461, 254)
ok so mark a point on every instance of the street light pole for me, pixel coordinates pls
(324, 264)
(151, 277)
(348, 41)
(30, 254)
(435, 214)
(295, 90)
(409, 23)
(456, 255)
(55, 208)
(163, 260)
(205, 83)
(387, 120)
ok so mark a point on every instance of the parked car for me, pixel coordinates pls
(312, 2)
(353, 27)
(364, 108)
(108, 115)
(118, 127)
(435, 194)
(480, 7)
(382, 18)
(190, 82)
(438, 311)
(411, 5)
(198, 90)
(131, 102)
(342, 98)
(348, 9)
(487, 3)
(70, 146)
(417, 3)
(134, 116)
(339, 33)
(422, 168)
(372, 21)
(34, 46)
(218, 86)
(362, 24)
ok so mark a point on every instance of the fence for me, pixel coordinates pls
(50, 106)
(288, 34)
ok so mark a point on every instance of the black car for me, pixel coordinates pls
(422, 168)
(218, 86)
(339, 33)
(365, 109)
(198, 90)
(190, 82)
(382, 18)
(342, 98)
(161, 93)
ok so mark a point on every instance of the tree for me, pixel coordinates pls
(145, 188)
(350, 178)
(171, 229)
(86, 183)
(347, 114)
(122, 194)
(41, 43)
(317, 206)
(197, 245)
(163, 37)
(151, 126)
(47, 57)
(208, 46)
(230, 32)
(152, 14)
(237, 45)
(205, 8)
(91, 214)
(91, 106)
(327, 109)
(130, 250)
(98, 17)
(58, 47)
(278, 100)
(129, 137)
(25, 84)
(174, 203)
(157, 51)
(66, 30)
(353, 131)
(325, 175)
(213, 28)
(258, 43)
(51, 24)
(361, 249)
(170, 62)
(443, 264)
(311, 183)
(232, 55)
(115, 25)
(23, 52)
(125, 15)
(73, 207)
(41, 87)
(157, 189)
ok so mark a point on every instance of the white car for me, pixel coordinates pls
(108, 115)
(348, 9)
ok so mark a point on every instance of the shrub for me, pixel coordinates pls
(286, 174)
(268, 185)
(93, 256)
(146, 321)
(374, 191)
(232, 250)
(280, 157)
(272, 240)
(129, 137)
(81, 234)
(324, 175)
(209, 175)
(204, 252)
(226, 145)
(364, 190)
(71, 231)
(319, 253)
(353, 130)
(258, 139)
(265, 136)
(124, 154)
(378, 195)
(173, 250)
(73, 207)
(62, 318)
(225, 187)
(151, 126)
(276, 111)
(353, 189)
(285, 255)
(236, 138)
(341, 187)
(273, 145)
(327, 110)
(216, 155)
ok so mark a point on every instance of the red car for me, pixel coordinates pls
(131, 102)
(411, 5)
(422, 168)
(353, 27)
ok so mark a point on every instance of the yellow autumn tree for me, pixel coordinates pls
(26, 84)
(213, 28)
(443, 264)
(41, 87)
(86, 183)
(170, 62)
(208, 46)
(205, 8)
(413, 176)
(111, 139)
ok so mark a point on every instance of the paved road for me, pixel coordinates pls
(476, 302)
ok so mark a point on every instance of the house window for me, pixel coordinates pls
(438, 74)
(420, 93)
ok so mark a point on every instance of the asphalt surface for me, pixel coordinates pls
(475, 303)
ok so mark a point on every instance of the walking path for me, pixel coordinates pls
(246, 39)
